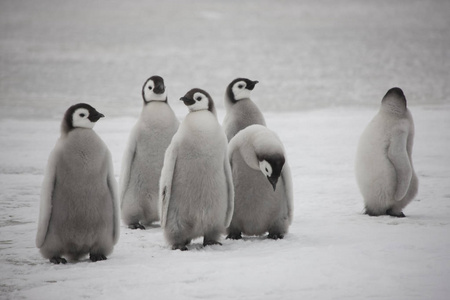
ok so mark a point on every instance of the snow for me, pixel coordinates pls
(323, 67)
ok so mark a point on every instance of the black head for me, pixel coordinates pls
(154, 90)
(198, 99)
(271, 166)
(240, 88)
(80, 115)
(395, 100)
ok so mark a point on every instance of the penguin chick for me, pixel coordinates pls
(241, 111)
(384, 167)
(79, 201)
(262, 182)
(196, 187)
(144, 156)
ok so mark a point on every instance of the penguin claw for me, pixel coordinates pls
(275, 236)
(211, 243)
(58, 260)
(234, 236)
(97, 257)
(394, 214)
(179, 247)
(136, 226)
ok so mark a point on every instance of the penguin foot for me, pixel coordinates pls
(211, 242)
(58, 260)
(136, 226)
(179, 247)
(275, 236)
(395, 214)
(97, 257)
(234, 236)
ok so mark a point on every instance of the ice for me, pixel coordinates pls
(323, 67)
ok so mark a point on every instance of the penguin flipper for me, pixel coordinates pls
(127, 162)
(112, 186)
(230, 190)
(288, 188)
(48, 185)
(399, 158)
(165, 182)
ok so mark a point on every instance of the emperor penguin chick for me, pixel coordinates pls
(262, 183)
(144, 156)
(196, 187)
(241, 111)
(79, 201)
(384, 167)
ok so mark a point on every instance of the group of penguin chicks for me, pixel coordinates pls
(200, 179)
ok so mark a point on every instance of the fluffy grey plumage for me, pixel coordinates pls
(241, 111)
(384, 168)
(79, 201)
(262, 182)
(196, 186)
(144, 156)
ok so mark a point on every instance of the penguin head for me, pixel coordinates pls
(197, 100)
(80, 115)
(154, 90)
(271, 166)
(394, 101)
(240, 88)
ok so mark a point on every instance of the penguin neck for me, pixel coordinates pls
(394, 108)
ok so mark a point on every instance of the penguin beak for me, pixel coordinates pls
(159, 88)
(273, 181)
(187, 101)
(251, 85)
(95, 116)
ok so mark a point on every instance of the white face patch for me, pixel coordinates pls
(239, 90)
(80, 119)
(266, 168)
(201, 102)
(149, 94)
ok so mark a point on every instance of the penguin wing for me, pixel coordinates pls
(399, 158)
(165, 182)
(48, 185)
(127, 162)
(112, 187)
(230, 189)
(288, 188)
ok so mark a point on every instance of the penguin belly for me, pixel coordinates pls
(82, 206)
(257, 207)
(376, 175)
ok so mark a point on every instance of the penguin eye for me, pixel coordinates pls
(82, 115)
(198, 98)
(240, 86)
(267, 170)
(149, 87)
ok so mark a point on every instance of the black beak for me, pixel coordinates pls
(187, 101)
(95, 116)
(159, 88)
(273, 181)
(251, 85)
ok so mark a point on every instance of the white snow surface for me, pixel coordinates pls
(323, 68)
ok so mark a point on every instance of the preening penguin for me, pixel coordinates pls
(262, 182)
(384, 167)
(241, 111)
(196, 187)
(79, 201)
(144, 156)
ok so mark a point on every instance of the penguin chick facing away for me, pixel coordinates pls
(144, 156)
(384, 167)
(262, 182)
(241, 111)
(196, 187)
(79, 200)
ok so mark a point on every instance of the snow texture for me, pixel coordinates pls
(323, 67)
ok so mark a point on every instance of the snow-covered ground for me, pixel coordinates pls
(323, 68)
